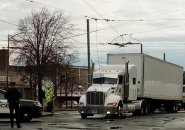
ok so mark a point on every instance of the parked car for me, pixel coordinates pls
(28, 108)
(70, 104)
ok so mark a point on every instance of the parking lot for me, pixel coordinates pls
(70, 120)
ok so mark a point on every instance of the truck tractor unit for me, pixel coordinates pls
(132, 83)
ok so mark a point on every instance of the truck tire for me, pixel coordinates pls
(141, 111)
(175, 106)
(26, 117)
(83, 116)
(171, 106)
(146, 108)
(120, 110)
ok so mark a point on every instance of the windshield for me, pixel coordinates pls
(104, 80)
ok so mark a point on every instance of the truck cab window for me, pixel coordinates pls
(134, 81)
(183, 88)
(120, 79)
(104, 80)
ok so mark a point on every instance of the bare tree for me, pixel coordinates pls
(43, 41)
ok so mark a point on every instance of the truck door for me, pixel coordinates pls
(124, 82)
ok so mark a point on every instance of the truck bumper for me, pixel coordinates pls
(91, 110)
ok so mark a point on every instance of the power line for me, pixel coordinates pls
(107, 20)
(101, 16)
(158, 29)
(8, 22)
(40, 3)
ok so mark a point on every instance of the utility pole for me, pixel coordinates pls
(141, 48)
(164, 56)
(88, 52)
(92, 71)
(7, 69)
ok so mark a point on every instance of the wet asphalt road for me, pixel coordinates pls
(70, 120)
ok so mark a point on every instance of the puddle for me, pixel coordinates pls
(52, 124)
(109, 120)
(156, 129)
(89, 124)
(74, 128)
(115, 127)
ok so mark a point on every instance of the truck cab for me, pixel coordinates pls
(112, 85)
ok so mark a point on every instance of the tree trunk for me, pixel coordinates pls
(40, 91)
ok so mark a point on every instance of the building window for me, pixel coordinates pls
(134, 81)
(183, 88)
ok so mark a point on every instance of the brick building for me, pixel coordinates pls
(75, 75)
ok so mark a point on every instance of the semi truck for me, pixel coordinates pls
(132, 83)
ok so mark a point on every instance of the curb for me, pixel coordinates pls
(47, 114)
(56, 110)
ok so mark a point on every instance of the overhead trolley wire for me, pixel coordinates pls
(101, 16)
(119, 20)
(4, 21)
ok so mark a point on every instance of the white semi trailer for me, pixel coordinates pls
(132, 82)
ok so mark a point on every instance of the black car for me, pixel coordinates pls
(28, 108)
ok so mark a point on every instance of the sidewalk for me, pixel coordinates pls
(47, 113)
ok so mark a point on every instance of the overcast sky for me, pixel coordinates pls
(158, 24)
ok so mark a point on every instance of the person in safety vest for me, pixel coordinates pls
(49, 94)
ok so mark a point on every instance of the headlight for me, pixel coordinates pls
(112, 104)
(81, 104)
(37, 103)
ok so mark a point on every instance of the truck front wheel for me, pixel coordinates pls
(120, 110)
(26, 117)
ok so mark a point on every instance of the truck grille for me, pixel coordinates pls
(95, 98)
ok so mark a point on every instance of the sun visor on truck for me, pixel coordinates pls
(98, 75)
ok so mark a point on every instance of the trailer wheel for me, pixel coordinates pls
(146, 107)
(83, 116)
(152, 109)
(171, 106)
(175, 106)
